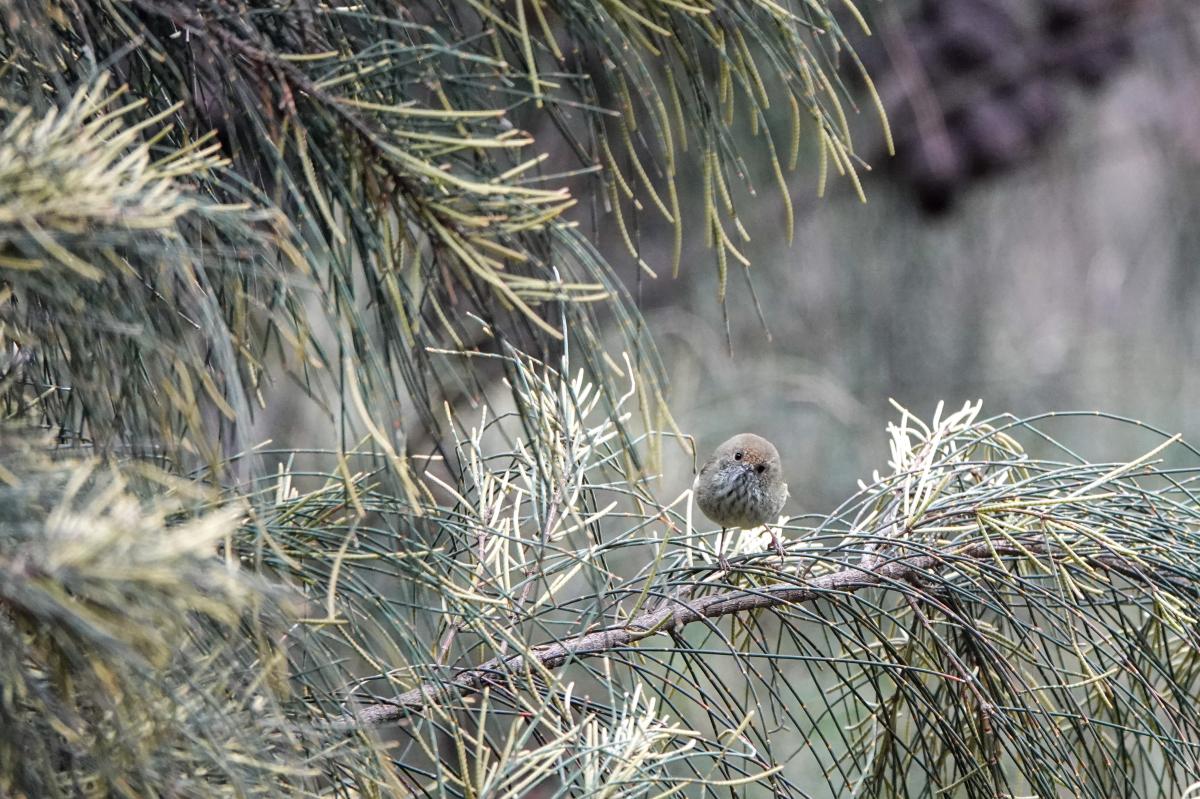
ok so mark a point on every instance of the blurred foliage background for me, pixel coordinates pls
(346, 347)
(1049, 265)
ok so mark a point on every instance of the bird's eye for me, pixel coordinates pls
(762, 467)
(737, 456)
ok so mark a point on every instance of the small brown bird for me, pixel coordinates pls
(742, 485)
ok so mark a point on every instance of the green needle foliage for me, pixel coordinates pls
(476, 589)
(394, 139)
(134, 662)
(127, 292)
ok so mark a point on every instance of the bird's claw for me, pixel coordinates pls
(723, 562)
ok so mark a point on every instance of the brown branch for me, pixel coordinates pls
(678, 612)
(672, 615)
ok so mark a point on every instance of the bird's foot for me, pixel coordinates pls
(723, 562)
(777, 545)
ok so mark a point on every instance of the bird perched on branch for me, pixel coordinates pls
(742, 485)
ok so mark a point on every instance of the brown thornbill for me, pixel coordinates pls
(742, 485)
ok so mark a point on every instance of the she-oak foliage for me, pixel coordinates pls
(477, 590)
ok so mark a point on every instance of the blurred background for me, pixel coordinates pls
(1032, 244)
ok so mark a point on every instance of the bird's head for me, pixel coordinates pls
(749, 455)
